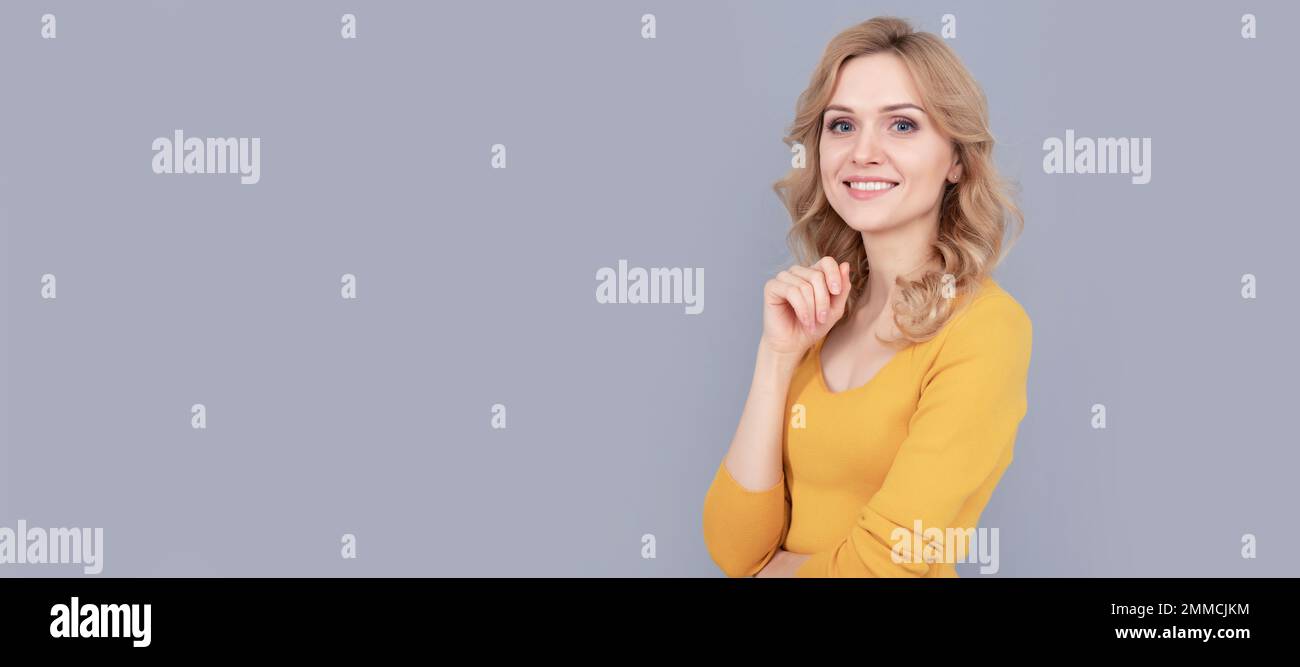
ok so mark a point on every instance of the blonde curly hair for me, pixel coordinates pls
(974, 213)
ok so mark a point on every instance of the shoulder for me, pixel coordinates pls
(984, 350)
(995, 306)
(991, 318)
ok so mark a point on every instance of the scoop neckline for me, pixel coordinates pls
(821, 374)
(987, 282)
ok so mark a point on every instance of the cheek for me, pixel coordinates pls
(921, 172)
(829, 163)
(931, 164)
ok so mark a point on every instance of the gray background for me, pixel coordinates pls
(477, 285)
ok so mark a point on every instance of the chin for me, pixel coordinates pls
(868, 222)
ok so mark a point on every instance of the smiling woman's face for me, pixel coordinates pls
(874, 128)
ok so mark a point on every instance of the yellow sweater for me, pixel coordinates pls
(926, 439)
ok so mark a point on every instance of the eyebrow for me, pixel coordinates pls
(884, 109)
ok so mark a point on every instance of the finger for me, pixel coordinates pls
(821, 294)
(839, 300)
(778, 294)
(799, 295)
(795, 296)
(803, 302)
(834, 284)
(828, 266)
(774, 292)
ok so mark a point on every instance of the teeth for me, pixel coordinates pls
(870, 185)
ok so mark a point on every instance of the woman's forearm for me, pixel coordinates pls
(784, 564)
(754, 458)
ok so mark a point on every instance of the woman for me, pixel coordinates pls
(890, 378)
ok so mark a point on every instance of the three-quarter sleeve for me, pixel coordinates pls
(744, 528)
(959, 441)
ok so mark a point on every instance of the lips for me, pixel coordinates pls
(868, 179)
(869, 188)
(870, 185)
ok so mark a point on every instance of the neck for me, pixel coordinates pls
(904, 251)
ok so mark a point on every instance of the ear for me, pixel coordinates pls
(954, 173)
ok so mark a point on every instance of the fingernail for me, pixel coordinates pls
(821, 317)
(835, 287)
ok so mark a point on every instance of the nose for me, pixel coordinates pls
(866, 150)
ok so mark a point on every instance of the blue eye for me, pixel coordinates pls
(835, 123)
(910, 127)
